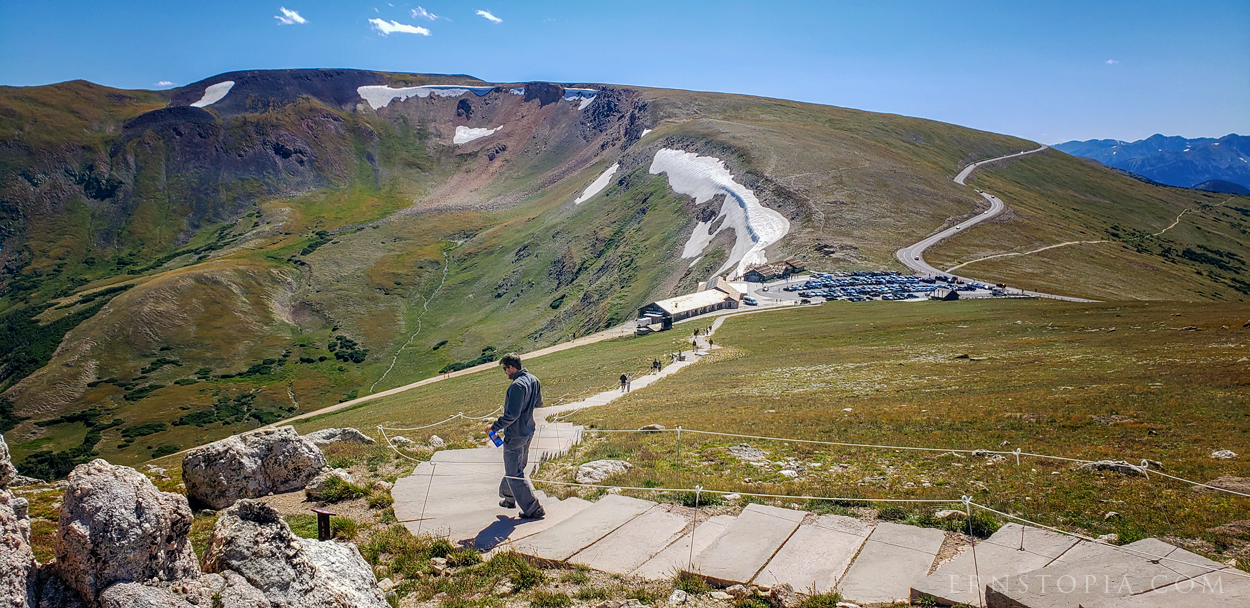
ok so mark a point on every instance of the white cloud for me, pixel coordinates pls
(165, 83)
(490, 17)
(289, 17)
(1112, 62)
(421, 13)
(388, 27)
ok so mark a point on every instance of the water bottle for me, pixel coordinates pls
(495, 438)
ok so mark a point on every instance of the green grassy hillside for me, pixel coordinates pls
(288, 249)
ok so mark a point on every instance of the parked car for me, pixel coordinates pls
(749, 301)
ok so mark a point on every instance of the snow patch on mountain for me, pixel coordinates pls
(214, 93)
(380, 96)
(465, 135)
(586, 96)
(704, 177)
(598, 185)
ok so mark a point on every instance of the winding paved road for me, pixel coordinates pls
(912, 256)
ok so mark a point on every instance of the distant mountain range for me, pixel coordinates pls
(1203, 162)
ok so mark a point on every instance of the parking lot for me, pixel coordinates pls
(865, 286)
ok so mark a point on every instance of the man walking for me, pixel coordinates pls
(624, 382)
(517, 426)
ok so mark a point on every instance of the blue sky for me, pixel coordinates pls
(1047, 71)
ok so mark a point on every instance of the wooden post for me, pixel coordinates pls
(323, 524)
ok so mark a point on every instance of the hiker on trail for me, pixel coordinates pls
(624, 382)
(517, 426)
(655, 366)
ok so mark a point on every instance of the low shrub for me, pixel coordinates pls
(542, 599)
(337, 490)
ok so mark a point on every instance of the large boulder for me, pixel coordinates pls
(250, 465)
(7, 472)
(325, 437)
(253, 541)
(116, 527)
(600, 470)
(18, 580)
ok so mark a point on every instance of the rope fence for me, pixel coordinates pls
(1144, 467)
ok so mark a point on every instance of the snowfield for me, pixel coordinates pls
(586, 96)
(380, 96)
(465, 135)
(214, 93)
(704, 177)
(598, 185)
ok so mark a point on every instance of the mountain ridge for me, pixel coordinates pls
(285, 252)
(1175, 161)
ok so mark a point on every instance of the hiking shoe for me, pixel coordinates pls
(507, 503)
(538, 513)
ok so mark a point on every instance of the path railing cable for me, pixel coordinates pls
(979, 451)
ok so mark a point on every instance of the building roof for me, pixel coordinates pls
(721, 284)
(692, 301)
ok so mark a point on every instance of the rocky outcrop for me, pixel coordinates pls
(600, 470)
(325, 437)
(250, 465)
(252, 541)
(230, 590)
(316, 488)
(17, 562)
(116, 527)
(7, 472)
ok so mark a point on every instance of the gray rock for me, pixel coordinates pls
(253, 541)
(229, 590)
(652, 428)
(784, 596)
(325, 437)
(677, 597)
(7, 472)
(1115, 466)
(18, 580)
(600, 470)
(1223, 454)
(116, 527)
(316, 488)
(57, 594)
(250, 465)
(135, 595)
(22, 481)
(401, 441)
(950, 514)
(239, 594)
(437, 442)
(743, 451)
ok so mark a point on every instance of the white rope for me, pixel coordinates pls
(1138, 553)
(844, 444)
(418, 428)
(1210, 487)
(704, 491)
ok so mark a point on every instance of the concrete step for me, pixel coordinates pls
(1093, 572)
(565, 539)
(677, 556)
(999, 556)
(748, 544)
(1226, 589)
(893, 557)
(816, 555)
(486, 530)
(632, 544)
